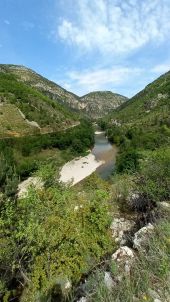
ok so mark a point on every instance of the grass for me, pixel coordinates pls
(12, 123)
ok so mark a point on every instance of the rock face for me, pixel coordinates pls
(141, 236)
(99, 103)
(120, 227)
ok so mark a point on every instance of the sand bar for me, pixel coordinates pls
(99, 132)
(78, 169)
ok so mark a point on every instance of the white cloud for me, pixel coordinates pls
(7, 22)
(111, 78)
(161, 68)
(116, 26)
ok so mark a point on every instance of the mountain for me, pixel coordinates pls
(144, 121)
(94, 105)
(153, 102)
(99, 103)
(26, 110)
(49, 88)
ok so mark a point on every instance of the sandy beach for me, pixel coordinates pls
(78, 169)
(99, 132)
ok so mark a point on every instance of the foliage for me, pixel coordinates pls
(154, 177)
(52, 234)
(16, 154)
(128, 161)
(34, 105)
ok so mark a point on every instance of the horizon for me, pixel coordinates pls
(86, 47)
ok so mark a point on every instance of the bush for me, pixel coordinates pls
(154, 178)
(50, 240)
(128, 161)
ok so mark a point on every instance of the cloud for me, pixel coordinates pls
(7, 22)
(161, 68)
(109, 78)
(114, 26)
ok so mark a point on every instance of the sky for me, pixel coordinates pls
(88, 45)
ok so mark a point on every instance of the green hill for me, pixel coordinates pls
(29, 110)
(144, 120)
(152, 102)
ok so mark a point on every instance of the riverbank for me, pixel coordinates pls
(78, 169)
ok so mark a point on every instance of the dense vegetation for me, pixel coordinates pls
(36, 107)
(17, 155)
(54, 237)
(49, 238)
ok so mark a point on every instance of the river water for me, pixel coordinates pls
(104, 151)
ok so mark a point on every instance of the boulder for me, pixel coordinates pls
(82, 299)
(164, 205)
(141, 236)
(124, 257)
(119, 227)
(108, 281)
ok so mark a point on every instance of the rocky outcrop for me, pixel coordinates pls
(124, 257)
(99, 103)
(120, 228)
(141, 237)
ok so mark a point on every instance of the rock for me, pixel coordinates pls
(141, 236)
(82, 299)
(24, 186)
(153, 294)
(119, 227)
(124, 257)
(164, 205)
(63, 286)
(108, 281)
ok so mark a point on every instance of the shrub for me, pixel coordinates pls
(128, 161)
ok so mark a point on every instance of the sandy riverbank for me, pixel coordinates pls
(99, 132)
(78, 169)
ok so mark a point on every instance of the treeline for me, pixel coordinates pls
(77, 140)
(131, 140)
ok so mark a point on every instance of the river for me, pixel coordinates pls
(104, 151)
(101, 160)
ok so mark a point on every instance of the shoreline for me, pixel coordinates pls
(77, 169)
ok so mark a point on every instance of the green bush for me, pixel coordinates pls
(154, 178)
(128, 161)
(56, 234)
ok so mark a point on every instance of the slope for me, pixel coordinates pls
(99, 103)
(94, 105)
(29, 108)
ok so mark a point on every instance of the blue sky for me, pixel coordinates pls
(88, 45)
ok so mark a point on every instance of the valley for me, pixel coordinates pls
(93, 222)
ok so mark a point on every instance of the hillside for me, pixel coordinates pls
(49, 88)
(100, 103)
(152, 102)
(25, 110)
(94, 105)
